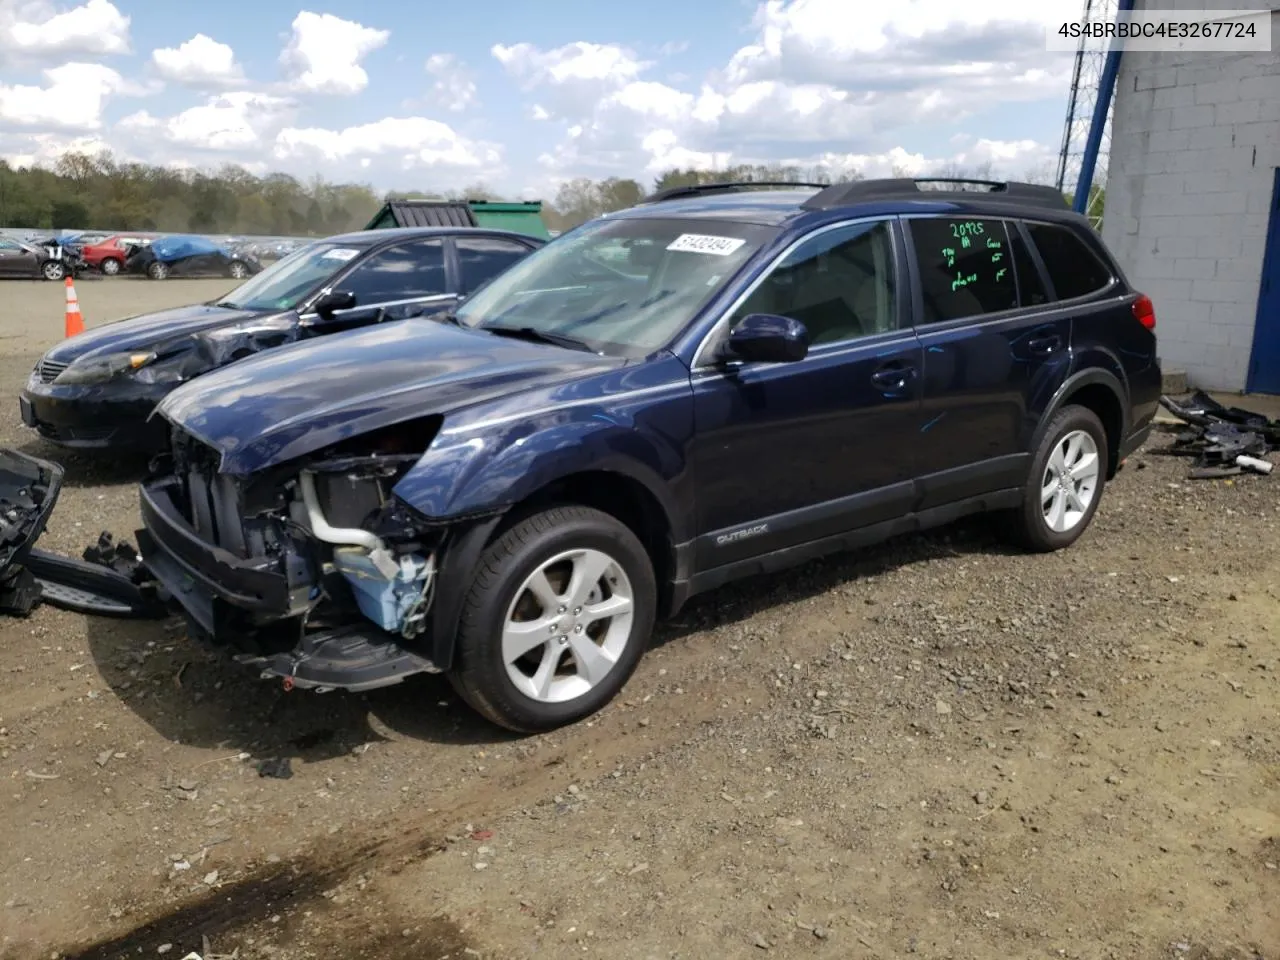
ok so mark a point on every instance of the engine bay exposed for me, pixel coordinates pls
(330, 525)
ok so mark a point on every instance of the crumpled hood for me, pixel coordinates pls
(146, 331)
(299, 398)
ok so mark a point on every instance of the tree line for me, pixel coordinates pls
(98, 192)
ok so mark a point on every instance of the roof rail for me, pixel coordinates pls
(698, 189)
(866, 191)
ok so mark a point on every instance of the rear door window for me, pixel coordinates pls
(480, 258)
(966, 267)
(406, 271)
(1074, 269)
(1031, 289)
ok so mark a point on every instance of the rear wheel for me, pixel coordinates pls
(238, 270)
(557, 617)
(1068, 473)
(158, 270)
(110, 266)
(53, 270)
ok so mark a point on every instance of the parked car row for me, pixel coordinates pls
(156, 257)
(531, 453)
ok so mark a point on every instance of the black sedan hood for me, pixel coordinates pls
(296, 399)
(146, 331)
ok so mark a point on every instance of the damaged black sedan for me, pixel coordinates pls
(96, 391)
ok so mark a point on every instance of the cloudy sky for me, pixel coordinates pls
(430, 94)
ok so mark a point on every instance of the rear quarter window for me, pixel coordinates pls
(1073, 269)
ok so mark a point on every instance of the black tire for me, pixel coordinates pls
(1028, 523)
(53, 270)
(110, 266)
(479, 674)
(157, 270)
(237, 270)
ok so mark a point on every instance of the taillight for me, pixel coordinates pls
(1144, 311)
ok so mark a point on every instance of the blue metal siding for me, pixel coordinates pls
(1264, 363)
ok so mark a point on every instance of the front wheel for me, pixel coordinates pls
(158, 270)
(53, 270)
(238, 270)
(110, 266)
(1068, 472)
(558, 615)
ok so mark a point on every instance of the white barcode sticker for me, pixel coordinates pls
(703, 243)
(340, 253)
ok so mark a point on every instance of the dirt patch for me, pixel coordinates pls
(940, 748)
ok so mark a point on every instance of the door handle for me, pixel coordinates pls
(1045, 345)
(892, 377)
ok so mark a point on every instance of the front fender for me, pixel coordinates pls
(489, 471)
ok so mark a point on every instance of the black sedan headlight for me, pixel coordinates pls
(91, 370)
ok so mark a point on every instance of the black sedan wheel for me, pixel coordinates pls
(158, 270)
(53, 270)
(238, 270)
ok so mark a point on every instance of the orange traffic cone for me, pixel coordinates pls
(75, 321)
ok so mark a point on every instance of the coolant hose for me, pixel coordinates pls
(321, 528)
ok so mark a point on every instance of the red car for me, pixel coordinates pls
(109, 255)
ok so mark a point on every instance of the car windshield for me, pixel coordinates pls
(624, 286)
(282, 285)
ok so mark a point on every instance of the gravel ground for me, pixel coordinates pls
(939, 748)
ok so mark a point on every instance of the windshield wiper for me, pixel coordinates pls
(538, 336)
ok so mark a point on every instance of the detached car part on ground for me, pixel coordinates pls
(1225, 441)
(189, 257)
(96, 390)
(655, 404)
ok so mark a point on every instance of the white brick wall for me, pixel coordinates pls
(1194, 147)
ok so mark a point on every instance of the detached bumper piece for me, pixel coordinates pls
(28, 491)
(108, 582)
(1225, 441)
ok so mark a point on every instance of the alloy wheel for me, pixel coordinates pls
(568, 626)
(1070, 481)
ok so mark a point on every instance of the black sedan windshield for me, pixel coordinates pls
(285, 283)
(624, 286)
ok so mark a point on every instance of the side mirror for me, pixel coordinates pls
(767, 338)
(334, 301)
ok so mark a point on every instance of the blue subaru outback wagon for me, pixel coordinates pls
(720, 382)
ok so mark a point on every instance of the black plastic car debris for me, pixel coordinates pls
(28, 490)
(1225, 441)
(108, 582)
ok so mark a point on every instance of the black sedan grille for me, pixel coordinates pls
(49, 369)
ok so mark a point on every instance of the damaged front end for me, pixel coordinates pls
(313, 571)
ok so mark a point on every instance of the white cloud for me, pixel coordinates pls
(573, 77)
(409, 141)
(72, 99)
(820, 77)
(230, 122)
(199, 62)
(44, 149)
(324, 53)
(35, 31)
(454, 89)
